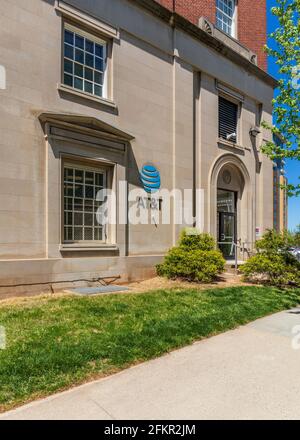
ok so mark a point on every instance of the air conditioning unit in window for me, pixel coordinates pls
(206, 26)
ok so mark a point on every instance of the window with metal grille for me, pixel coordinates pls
(228, 118)
(225, 16)
(81, 186)
(84, 63)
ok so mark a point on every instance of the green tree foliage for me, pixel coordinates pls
(286, 51)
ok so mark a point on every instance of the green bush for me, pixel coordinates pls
(272, 269)
(297, 237)
(191, 239)
(195, 259)
(273, 264)
(274, 242)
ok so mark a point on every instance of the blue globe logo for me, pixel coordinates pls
(150, 178)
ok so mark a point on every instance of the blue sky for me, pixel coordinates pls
(293, 167)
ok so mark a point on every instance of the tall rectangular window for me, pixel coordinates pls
(228, 120)
(81, 186)
(84, 62)
(225, 16)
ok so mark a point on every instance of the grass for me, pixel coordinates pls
(54, 343)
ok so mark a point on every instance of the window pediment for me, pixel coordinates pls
(87, 125)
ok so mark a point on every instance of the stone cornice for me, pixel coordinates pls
(177, 21)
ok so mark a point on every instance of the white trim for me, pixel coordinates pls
(87, 20)
(233, 33)
(233, 18)
(2, 78)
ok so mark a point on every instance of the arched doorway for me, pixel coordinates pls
(231, 204)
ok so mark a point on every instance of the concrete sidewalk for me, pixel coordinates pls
(249, 373)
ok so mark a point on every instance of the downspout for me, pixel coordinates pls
(195, 114)
(172, 24)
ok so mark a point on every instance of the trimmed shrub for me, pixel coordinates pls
(191, 239)
(272, 269)
(297, 237)
(273, 264)
(195, 259)
(273, 242)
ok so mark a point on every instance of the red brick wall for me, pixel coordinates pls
(192, 9)
(166, 3)
(252, 29)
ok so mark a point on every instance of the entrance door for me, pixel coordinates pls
(227, 235)
(227, 222)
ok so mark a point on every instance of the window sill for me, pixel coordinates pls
(101, 101)
(88, 248)
(224, 143)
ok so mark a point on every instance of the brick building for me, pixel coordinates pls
(244, 20)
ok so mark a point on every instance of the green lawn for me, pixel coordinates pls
(54, 343)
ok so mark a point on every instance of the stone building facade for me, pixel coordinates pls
(92, 92)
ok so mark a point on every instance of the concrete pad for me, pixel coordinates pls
(89, 291)
(248, 373)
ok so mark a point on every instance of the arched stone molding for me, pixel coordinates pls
(242, 185)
